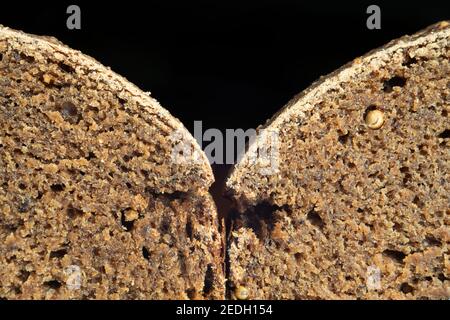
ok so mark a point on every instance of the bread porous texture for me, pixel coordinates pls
(358, 207)
(92, 203)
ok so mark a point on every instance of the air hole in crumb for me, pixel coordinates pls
(190, 293)
(75, 171)
(432, 241)
(165, 225)
(53, 284)
(395, 255)
(145, 173)
(22, 186)
(442, 277)
(137, 154)
(315, 219)
(128, 225)
(209, 280)
(182, 262)
(11, 258)
(407, 178)
(92, 109)
(134, 154)
(57, 187)
(423, 149)
(299, 257)
(406, 288)
(419, 203)
(351, 165)
(58, 253)
(343, 139)
(27, 58)
(74, 212)
(398, 227)
(168, 197)
(444, 113)
(1, 56)
(409, 61)
(24, 275)
(189, 229)
(96, 252)
(69, 112)
(124, 169)
(66, 68)
(90, 156)
(13, 227)
(261, 218)
(121, 101)
(129, 186)
(396, 81)
(24, 206)
(444, 134)
(145, 253)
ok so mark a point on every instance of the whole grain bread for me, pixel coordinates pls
(94, 203)
(354, 203)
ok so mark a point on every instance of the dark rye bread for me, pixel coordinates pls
(358, 206)
(92, 203)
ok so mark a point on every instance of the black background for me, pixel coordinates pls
(231, 64)
(301, 310)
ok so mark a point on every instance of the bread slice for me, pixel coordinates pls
(354, 203)
(94, 201)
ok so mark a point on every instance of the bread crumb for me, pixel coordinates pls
(74, 277)
(131, 215)
(47, 78)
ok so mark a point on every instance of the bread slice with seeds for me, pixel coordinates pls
(353, 201)
(98, 200)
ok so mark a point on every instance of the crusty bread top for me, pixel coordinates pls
(297, 108)
(44, 45)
